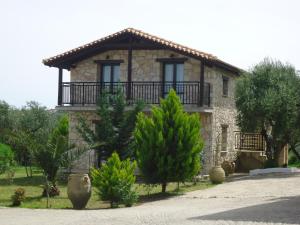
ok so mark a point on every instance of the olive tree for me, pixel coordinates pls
(268, 101)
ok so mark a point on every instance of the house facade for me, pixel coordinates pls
(146, 67)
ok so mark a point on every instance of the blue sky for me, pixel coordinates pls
(240, 32)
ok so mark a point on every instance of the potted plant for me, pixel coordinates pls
(217, 173)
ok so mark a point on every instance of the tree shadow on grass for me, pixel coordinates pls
(281, 210)
(142, 199)
(33, 198)
(24, 181)
(157, 197)
(27, 200)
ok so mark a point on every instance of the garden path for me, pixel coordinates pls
(268, 199)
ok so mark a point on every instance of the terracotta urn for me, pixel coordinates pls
(79, 190)
(217, 175)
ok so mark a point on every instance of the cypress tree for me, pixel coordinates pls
(114, 130)
(168, 143)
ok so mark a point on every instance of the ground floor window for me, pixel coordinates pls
(224, 136)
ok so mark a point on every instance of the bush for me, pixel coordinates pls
(292, 158)
(6, 158)
(18, 197)
(114, 181)
(128, 194)
(10, 174)
(52, 191)
(270, 164)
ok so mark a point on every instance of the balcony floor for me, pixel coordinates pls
(187, 108)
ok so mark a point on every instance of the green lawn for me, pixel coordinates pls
(296, 164)
(33, 187)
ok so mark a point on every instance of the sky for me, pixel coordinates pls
(240, 32)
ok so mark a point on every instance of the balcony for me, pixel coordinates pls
(150, 92)
(251, 142)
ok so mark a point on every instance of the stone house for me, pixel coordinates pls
(146, 67)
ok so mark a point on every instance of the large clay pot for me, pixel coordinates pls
(79, 190)
(228, 167)
(217, 175)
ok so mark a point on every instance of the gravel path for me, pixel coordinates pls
(272, 199)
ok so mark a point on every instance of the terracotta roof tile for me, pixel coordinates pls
(139, 33)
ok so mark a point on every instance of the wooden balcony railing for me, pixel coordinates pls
(150, 92)
(249, 142)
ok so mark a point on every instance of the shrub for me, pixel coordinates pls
(18, 197)
(10, 174)
(114, 181)
(128, 194)
(270, 164)
(6, 158)
(52, 191)
(292, 158)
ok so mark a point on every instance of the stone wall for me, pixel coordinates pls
(89, 158)
(146, 68)
(224, 112)
(206, 133)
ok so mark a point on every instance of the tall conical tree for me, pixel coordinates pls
(168, 143)
(114, 129)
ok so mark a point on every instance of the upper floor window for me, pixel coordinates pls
(173, 77)
(225, 86)
(110, 76)
(110, 73)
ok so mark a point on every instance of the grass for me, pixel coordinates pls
(34, 186)
(293, 161)
(296, 164)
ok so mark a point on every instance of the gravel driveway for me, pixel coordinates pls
(272, 199)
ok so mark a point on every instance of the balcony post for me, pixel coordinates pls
(60, 79)
(129, 71)
(201, 102)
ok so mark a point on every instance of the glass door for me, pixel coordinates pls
(173, 78)
(110, 77)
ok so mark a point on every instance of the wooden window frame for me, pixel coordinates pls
(225, 86)
(224, 126)
(102, 63)
(100, 66)
(112, 74)
(173, 62)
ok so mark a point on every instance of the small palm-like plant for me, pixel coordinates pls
(54, 155)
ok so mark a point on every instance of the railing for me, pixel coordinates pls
(150, 92)
(249, 141)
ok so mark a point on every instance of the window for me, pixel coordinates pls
(110, 76)
(110, 73)
(225, 86)
(224, 138)
(173, 77)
